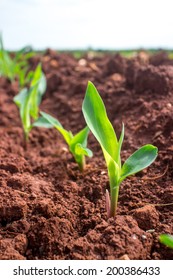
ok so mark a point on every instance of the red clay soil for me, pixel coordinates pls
(48, 209)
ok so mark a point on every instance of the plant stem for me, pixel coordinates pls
(108, 203)
(26, 137)
(82, 163)
(114, 192)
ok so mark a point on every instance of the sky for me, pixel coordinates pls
(80, 24)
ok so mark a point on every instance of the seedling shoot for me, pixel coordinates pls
(97, 120)
(28, 101)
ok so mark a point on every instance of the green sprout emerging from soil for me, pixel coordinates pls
(96, 118)
(167, 240)
(77, 143)
(28, 101)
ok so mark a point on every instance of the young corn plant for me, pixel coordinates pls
(167, 240)
(77, 143)
(29, 99)
(96, 118)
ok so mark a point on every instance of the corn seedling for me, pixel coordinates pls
(96, 118)
(77, 143)
(29, 99)
(167, 240)
(16, 67)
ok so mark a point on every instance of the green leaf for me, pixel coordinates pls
(120, 142)
(6, 64)
(38, 87)
(42, 122)
(37, 75)
(96, 118)
(41, 87)
(139, 160)
(66, 134)
(113, 172)
(51, 120)
(12, 67)
(39, 82)
(33, 100)
(29, 76)
(22, 100)
(81, 138)
(80, 150)
(167, 240)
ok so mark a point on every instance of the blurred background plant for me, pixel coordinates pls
(15, 66)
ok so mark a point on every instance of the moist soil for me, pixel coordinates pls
(48, 208)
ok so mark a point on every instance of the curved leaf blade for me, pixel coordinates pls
(38, 88)
(41, 87)
(22, 100)
(80, 150)
(51, 120)
(139, 160)
(80, 137)
(120, 142)
(21, 97)
(42, 122)
(97, 120)
(37, 75)
(66, 134)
